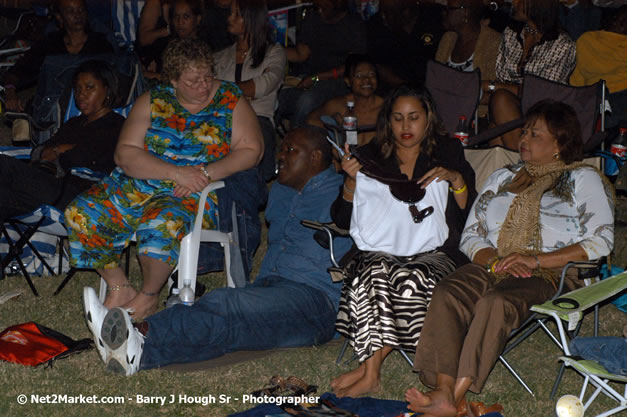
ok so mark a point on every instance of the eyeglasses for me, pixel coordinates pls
(206, 80)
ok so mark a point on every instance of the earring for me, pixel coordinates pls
(556, 156)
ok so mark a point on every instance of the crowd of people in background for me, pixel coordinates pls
(221, 88)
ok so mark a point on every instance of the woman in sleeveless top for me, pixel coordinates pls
(177, 139)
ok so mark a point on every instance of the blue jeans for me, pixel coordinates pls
(611, 352)
(272, 312)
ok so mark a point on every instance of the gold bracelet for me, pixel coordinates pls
(459, 190)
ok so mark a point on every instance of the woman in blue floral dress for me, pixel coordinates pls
(176, 140)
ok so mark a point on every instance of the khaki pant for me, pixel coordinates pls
(469, 321)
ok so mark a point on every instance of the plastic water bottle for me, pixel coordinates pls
(174, 298)
(461, 131)
(619, 149)
(350, 123)
(187, 295)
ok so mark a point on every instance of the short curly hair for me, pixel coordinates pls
(182, 54)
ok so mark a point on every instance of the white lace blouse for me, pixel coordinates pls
(583, 213)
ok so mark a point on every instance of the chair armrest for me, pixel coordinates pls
(336, 231)
(201, 204)
(584, 298)
(18, 152)
(326, 241)
(495, 132)
(87, 174)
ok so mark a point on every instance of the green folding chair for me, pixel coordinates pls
(570, 308)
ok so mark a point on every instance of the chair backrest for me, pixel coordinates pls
(585, 100)
(125, 17)
(54, 86)
(73, 111)
(455, 92)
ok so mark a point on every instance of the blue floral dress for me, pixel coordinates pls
(102, 220)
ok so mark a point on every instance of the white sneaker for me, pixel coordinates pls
(95, 313)
(124, 342)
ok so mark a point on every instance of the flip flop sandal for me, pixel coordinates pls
(274, 388)
(297, 387)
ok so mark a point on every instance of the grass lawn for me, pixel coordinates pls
(84, 374)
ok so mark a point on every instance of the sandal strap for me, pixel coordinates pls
(119, 287)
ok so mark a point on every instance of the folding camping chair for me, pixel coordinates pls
(570, 308)
(327, 232)
(588, 102)
(54, 90)
(587, 271)
(455, 93)
(125, 16)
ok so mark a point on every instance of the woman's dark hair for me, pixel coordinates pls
(385, 137)
(352, 60)
(545, 15)
(102, 71)
(562, 122)
(256, 27)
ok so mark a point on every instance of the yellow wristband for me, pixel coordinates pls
(459, 190)
(493, 265)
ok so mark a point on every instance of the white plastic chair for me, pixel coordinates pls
(190, 245)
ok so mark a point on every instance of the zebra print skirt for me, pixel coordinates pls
(385, 298)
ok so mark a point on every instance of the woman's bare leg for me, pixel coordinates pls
(370, 380)
(155, 274)
(505, 107)
(120, 290)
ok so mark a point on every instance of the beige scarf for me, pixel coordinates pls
(521, 231)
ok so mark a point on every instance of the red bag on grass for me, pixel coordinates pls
(33, 344)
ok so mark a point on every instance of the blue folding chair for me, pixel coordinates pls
(125, 16)
(18, 232)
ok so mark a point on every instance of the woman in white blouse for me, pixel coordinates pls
(529, 220)
(257, 65)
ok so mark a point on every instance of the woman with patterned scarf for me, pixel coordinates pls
(529, 220)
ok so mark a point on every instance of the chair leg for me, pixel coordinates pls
(27, 278)
(406, 357)
(515, 374)
(127, 250)
(342, 351)
(67, 279)
(558, 379)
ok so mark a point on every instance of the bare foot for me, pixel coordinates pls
(436, 403)
(362, 386)
(349, 378)
(142, 306)
(119, 297)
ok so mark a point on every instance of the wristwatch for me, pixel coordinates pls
(491, 87)
(315, 79)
